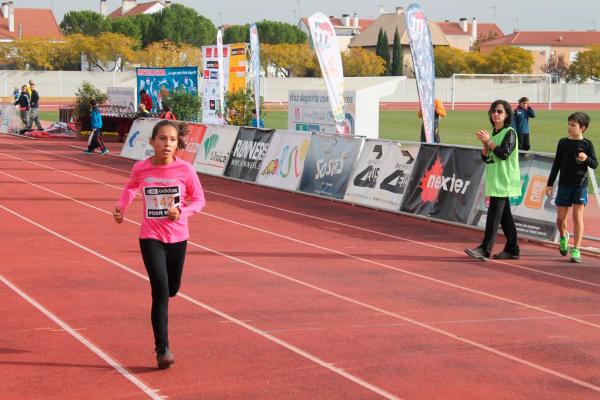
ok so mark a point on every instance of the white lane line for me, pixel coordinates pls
(92, 347)
(325, 291)
(361, 259)
(260, 332)
(264, 205)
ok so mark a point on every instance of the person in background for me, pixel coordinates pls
(440, 111)
(167, 114)
(143, 112)
(34, 115)
(29, 87)
(95, 139)
(257, 122)
(574, 154)
(146, 100)
(502, 180)
(24, 103)
(521, 123)
(16, 93)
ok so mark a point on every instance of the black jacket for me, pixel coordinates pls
(23, 101)
(35, 99)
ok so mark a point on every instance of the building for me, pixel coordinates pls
(18, 23)
(544, 45)
(346, 28)
(130, 8)
(389, 23)
(466, 35)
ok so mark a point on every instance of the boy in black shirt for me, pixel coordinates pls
(574, 155)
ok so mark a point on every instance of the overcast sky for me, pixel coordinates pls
(522, 15)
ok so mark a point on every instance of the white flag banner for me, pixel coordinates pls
(330, 60)
(221, 108)
(255, 68)
(421, 49)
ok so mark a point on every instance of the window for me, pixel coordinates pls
(573, 56)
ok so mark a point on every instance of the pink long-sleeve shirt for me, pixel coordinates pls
(162, 186)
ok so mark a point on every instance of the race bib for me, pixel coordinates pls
(159, 199)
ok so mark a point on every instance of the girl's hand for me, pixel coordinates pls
(118, 215)
(548, 191)
(582, 156)
(173, 214)
(483, 136)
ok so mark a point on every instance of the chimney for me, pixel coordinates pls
(103, 8)
(399, 10)
(463, 24)
(20, 31)
(5, 10)
(346, 19)
(356, 26)
(11, 16)
(127, 6)
(167, 3)
(474, 30)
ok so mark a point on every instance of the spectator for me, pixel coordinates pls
(440, 111)
(29, 87)
(167, 114)
(16, 93)
(146, 100)
(522, 114)
(96, 135)
(257, 122)
(143, 112)
(24, 102)
(35, 109)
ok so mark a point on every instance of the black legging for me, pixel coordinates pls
(164, 264)
(499, 214)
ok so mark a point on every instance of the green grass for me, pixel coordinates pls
(51, 116)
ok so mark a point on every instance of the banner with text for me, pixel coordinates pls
(137, 144)
(194, 138)
(248, 153)
(382, 174)
(158, 82)
(328, 164)
(310, 110)
(445, 183)
(284, 162)
(215, 149)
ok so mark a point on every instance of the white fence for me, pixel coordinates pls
(274, 90)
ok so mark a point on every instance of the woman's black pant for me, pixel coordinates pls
(164, 264)
(499, 213)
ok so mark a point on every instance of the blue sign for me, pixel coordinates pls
(158, 81)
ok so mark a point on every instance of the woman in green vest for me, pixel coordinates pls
(502, 180)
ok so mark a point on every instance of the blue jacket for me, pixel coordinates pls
(255, 123)
(521, 121)
(96, 119)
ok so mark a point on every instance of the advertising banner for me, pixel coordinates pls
(534, 212)
(382, 174)
(159, 81)
(310, 110)
(121, 99)
(330, 59)
(193, 140)
(10, 121)
(284, 162)
(215, 149)
(211, 96)
(255, 66)
(248, 153)
(238, 67)
(137, 144)
(421, 50)
(445, 183)
(328, 164)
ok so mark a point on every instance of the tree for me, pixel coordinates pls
(237, 34)
(163, 54)
(449, 61)
(380, 48)
(105, 50)
(185, 105)
(238, 107)
(475, 62)
(360, 62)
(84, 22)
(556, 67)
(291, 59)
(180, 24)
(84, 95)
(144, 23)
(509, 60)
(274, 32)
(397, 62)
(128, 27)
(586, 66)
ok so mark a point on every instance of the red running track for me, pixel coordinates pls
(284, 296)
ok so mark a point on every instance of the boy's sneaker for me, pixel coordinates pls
(88, 152)
(575, 255)
(477, 253)
(103, 152)
(563, 245)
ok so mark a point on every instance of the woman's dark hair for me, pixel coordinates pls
(508, 112)
(581, 118)
(142, 92)
(180, 127)
(523, 100)
(93, 103)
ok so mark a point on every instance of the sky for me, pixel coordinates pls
(510, 15)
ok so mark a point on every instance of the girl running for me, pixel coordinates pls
(172, 192)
